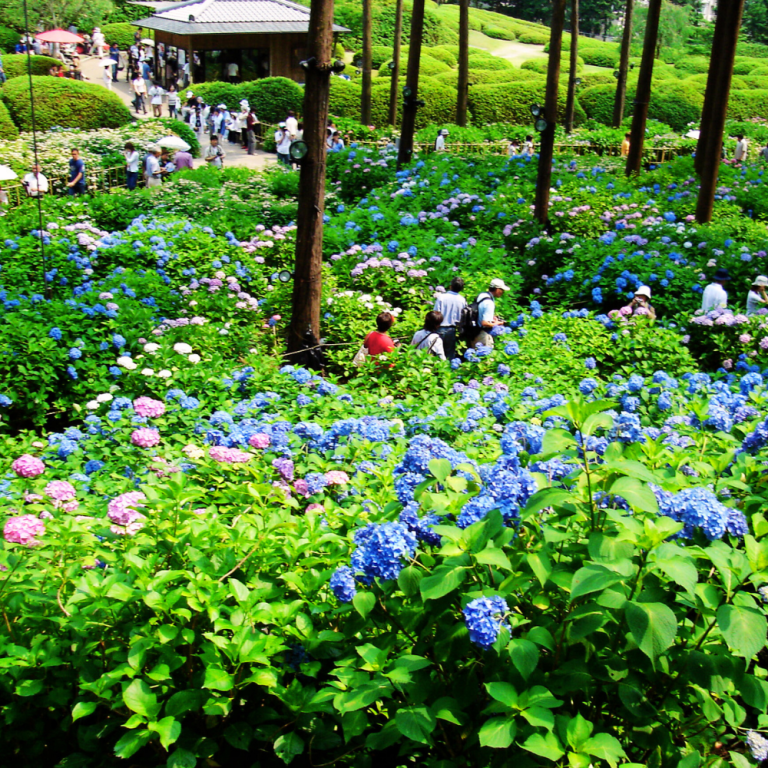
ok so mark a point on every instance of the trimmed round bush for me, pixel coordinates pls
(510, 102)
(606, 55)
(676, 104)
(486, 77)
(541, 65)
(761, 71)
(590, 79)
(8, 39)
(122, 33)
(8, 131)
(692, 64)
(63, 102)
(379, 54)
(345, 98)
(488, 61)
(532, 37)
(746, 105)
(499, 33)
(15, 64)
(598, 100)
(217, 92)
(439, 109)
(428, 67)
(272, 97)
(445, 54)
(746, 66)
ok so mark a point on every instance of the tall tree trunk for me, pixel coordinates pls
(461, 103)
(547, 147)
(644, 81)
(710, 144)
(307, 282)
(412, 83)
(570, 103)
(621, 84)
(394, 86)
(365, 104)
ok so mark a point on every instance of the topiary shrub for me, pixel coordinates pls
(428, 67)
(8, 131)
(488, 61)
(439, 109)
(63, 102)
(499, 33)
(338, 50)
(15, 64)
(8, 39)
(272, 97)
(345, 98)
(542, 64)
(754, 50)
(747, 65)
(590, 79)
(604, 56)
(217, 92)
(746, 105)
(444, 54)
(598, 100)
(676, 104)
(122, 33)
(532, 37)
(692, 64)
(510, 102)
(379, 54)
(759, 71)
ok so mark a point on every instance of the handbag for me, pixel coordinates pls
(360, 356)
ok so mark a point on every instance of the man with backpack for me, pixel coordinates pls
(450, 305)
(482, 315)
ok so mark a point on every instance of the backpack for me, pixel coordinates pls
(469, 323)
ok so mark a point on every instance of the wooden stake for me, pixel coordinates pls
(365, 103)
(570, 103)
(411, 81)
(394, 85)
(461, 103)
(621, 84)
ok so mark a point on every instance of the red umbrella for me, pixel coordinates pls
(59, 36)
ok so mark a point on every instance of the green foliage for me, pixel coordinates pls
(533, 37)
(122, 33)
(379, 55)
(63, 102)
(542, 64)
(8, 39)
(445, 54)
(15, 64)
(749, 104)
(692, 64)
(676, 104)
(440, 103)
(218, 92)
(510, 102)
(497, 32)
(345, 98)
(487, 61)
(8, 130)
(272, 97)
(746, 65)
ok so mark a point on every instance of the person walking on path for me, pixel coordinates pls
(114, 54)
(486, 312)
(107, 75)
(756, 298)
(156, 99)
(429, 338)
(715, 295)
(450, 305)
(140, 91)
(214, 154)
(173, 101)
(250, 124)
(97, 40)
(283, 142)
(242, 123)
(131, 165)
(76, 181)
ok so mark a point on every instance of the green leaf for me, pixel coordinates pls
(364, 603)
(169, 730)
(239, 735)
(239, 590)
(653, 627)
(681, 570)
(578, 731)
(444, 580)
(139, 698)
(498, 732)
(184, 701)
(440, 468)
(83, 709)
(409, 580)
(547, 497)
(288, 746)
(744, 629)
(557, 441)
(547, 746)
(416, 723)
(539, 717)
(216, 679)
(29, 687)
(181, 758)
(540, 565)
(605, 747)
(692, 760)
(638, 494)
(525, 657)
(503, 693)
(494, 556)
(130, 743)
(592, 578)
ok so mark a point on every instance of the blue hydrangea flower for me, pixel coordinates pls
(55, 333)
(590, 364)
(484, 617)
(381, 549)
(343, 584)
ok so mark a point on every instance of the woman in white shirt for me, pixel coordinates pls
(140, 89)
(173, 101)
(156, 99)
(107, 75)
(242, 123)
(440, 140)
(131, 165)
(756, 298)
(429, 338)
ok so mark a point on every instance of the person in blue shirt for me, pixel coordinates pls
(76, 181)
(486, 312)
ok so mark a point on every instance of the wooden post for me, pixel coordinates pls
(709, 150)
(365, 104)
(307, 282)
(547, 146)
(394, 86)
(640, 116)
(621, 84)
(571, 99)
(412, 82)
(461, 103)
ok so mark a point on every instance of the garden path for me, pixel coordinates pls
(237, 156)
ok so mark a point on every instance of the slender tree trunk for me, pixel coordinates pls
(365, 105)
(709, 150)
(461, 103)
(547, 147)
(307, 282)
(643, 97)
(394, 85)
(621, 84)
(570, 103)
(411, 82)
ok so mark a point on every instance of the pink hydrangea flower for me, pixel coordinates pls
(145, 437)
(315, 508)
(301, 487)
(23, 529)
(60, 490)
(336, 477)
(259, 441)
(764, 342)
(28, 466)
(146, 406)
(228, 455)
(745, 338)
(71, 506)
(727, 364)
(123, 510)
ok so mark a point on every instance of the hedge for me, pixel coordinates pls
(692, 64)
(428, 67)
(8, 131)
(746, 105)
(439, 108)
(122, 33)
(15, 64)
(63, 102)
(8, 39)
(595, 52)
(542, 64)
(533, 38)
(755, 50)
(485, 77)
(747, 65)
(443, 53)
(676, 104)
(589, 79)
(487, 61)
(379, 54)
(510, 103)
(217, 92)
(598, 100)
(345, 98)
(497, 32)
(272, 97)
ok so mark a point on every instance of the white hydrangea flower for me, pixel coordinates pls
(182, 348)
